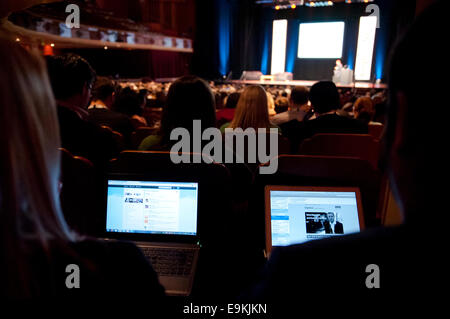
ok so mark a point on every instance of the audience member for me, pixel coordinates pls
(101, 112)
(325, 101)
(131, 103)
(72, 78)
(189, 98)
(299, 107)
(363, 110)
(379, 101)
(270, 104)
(281, 104)
(37, 243)
(252, 110)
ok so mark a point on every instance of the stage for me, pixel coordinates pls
(357, 85)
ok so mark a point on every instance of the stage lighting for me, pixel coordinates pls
(320, 4)
(293, 4)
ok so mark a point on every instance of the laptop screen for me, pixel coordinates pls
(301, 214)
(165, 208)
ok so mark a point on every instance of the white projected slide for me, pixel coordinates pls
(321, 40)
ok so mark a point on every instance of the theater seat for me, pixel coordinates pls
(362, 146)
(376, 131)
(118, 137)
(80, 195)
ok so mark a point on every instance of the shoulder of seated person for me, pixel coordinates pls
(150, 141)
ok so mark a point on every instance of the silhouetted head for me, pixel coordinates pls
(71, 78)
(363, 109)
(128, 102)
(232, 100)
(324, 97)
(189, 98)
(104, 90)
(299, 96)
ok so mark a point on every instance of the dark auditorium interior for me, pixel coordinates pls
(223, 158)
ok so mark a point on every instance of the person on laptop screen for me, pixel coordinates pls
(390, 264)
(332, 226)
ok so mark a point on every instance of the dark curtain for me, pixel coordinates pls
(249, 29)
(205, 60)
(167, 64)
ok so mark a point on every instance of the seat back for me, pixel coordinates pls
(117, 136)
(362, 146)
(81, 199)
(376, 131)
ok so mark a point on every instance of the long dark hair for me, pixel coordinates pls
(189, 98)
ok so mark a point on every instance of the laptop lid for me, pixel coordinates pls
(152, 210)
(297, 214)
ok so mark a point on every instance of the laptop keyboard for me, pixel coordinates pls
(174, 262)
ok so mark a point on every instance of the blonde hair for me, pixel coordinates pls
(252, 109)
(30, 163)
(364, 109)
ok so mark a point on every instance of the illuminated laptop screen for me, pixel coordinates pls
(301, 216)
(166, 208)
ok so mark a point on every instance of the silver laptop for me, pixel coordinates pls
(297, 214)
(161, 218)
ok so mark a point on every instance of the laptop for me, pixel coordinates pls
(160, 217)
(297, 214)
